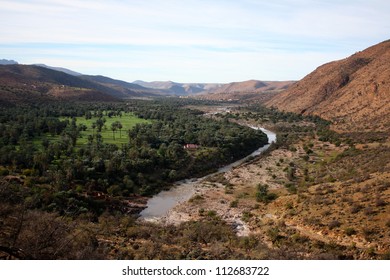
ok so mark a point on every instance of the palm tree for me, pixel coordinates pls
(119, 125)
(93, 128)
(114, 127)
(99, 124)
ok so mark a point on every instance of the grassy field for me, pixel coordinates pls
(128, 121)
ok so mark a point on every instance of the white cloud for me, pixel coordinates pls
(186, 40)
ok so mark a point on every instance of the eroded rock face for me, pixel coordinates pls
(353, 93)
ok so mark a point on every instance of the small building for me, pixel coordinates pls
(191, 146)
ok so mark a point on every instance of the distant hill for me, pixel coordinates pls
(7, 62)
(122, 87)
(354, 93)
(67, 71)
(29, 83)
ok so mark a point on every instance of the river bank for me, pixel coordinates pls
(183, 202)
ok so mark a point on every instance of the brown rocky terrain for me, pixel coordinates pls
(353, 93)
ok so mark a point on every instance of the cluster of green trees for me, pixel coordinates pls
(59, 175)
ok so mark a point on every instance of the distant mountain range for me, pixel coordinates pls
(354, 93)
(217, 91)
(174, 88)
(64, 83)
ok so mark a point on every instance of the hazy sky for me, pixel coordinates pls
(190, 40)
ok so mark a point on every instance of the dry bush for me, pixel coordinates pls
(35, 234)
(334, 224)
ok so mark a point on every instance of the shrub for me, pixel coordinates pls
(234, 203)
(380, 202)
(368, 211)
(313, 221)
(334, 224)
(355, 208)
(263, 195)
(246, 216)
(196, 198)
(273, 234)
(297, 238)
(114, 190)
(350, 231)
(289, 205)
(28, 172)
(291, 187)
(4, 171)
(79, 189)
(211, 213)
(368, 232)
(228, 189)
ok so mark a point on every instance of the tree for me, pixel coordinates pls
(119, 125)
(99, 124)
(93, 127)
(114, 127)
(88, 115)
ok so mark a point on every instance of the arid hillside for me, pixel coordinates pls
(353, 93)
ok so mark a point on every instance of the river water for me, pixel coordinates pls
(159, 205)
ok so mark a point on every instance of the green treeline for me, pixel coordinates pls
(39, 147)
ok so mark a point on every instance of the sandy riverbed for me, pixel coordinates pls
(230, 202)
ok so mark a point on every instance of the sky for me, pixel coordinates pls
(190, 40)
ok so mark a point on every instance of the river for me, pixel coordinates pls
(159, 205)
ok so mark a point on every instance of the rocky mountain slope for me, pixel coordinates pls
(353, 93)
